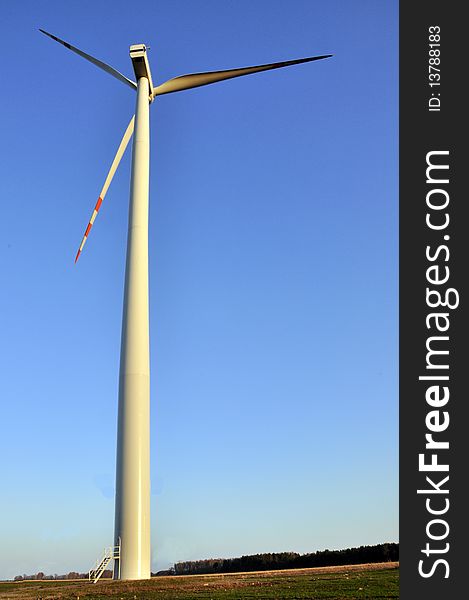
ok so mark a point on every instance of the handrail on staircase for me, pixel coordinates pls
(110, 553)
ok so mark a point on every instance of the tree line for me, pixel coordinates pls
(387, 552)
(269, 561)
(71, 575)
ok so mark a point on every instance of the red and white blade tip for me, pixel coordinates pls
(88, 228)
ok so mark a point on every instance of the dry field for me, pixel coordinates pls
(371, 582)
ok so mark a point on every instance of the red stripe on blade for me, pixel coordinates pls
(98, 204)
(87, 230)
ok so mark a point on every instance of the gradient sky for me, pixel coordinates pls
(273, 272)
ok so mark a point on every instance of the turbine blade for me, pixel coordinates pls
(186, 82)
(115, 163)
(95, 61)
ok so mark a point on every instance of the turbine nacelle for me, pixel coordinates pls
(139, 58)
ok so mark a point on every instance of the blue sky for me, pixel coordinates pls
(273, 275)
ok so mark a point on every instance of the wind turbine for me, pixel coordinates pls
(132, 509)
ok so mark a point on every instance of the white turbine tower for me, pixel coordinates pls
(132, 516)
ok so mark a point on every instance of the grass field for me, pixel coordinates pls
(370, 582)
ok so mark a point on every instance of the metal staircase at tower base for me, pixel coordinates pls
(111, 553)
